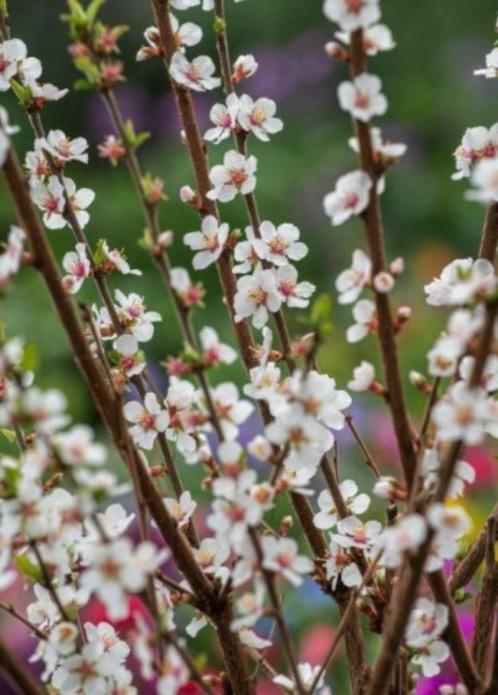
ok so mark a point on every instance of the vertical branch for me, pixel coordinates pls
(19, 676)
(375, 241)
(486, 602)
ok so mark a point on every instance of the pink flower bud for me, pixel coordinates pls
(165, 239)
(187, 194)
(397, 266)
(383, 282)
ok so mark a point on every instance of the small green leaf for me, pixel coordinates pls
(321, 309)
(99, 255)
(219, 25)
(8, 434)
(30, 358)
(28, 568)
(3, 8)
(85, 65)
(82, 85)
(24, 94)
(93, 10)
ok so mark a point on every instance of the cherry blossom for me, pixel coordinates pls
(182, 509)
(281, 555)
(258, 117)
(278, 245)
(244, 67)
(256, 296)
(363, 98)
(224, 118)
(190, 294)
(376, 38)
(293, 293)
(11, 258)
(5, 130)
(77, 267)
(477, 143)
(235, 175)
(363, 377)
(196, 75)
(148, 420)
(340, 565)
(306, 438)
(327, 517)
(462, 414)
(352, 14)
(364, 313)
(14, 61)
(135, 317)
(461, 282)
(50, 198)
(463, 474)
(405, 535)
(116, 568)
(307, 675)
(350, 197)
(214, 351)
(187, 34)
(130, 360)
(350, 282)
(484, 178)
(76, 446)
(491, 69)
(246, 253)
(209, 243)
(231, 410)
(63, 149)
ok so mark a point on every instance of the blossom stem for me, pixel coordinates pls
(375, 240)
(19, 675)
(473, 558)
(269, 581)
(453, 634)
(486, 601)
(8, 608)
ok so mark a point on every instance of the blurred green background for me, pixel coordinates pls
(433, 97)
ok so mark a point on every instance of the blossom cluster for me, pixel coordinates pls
(66, 525)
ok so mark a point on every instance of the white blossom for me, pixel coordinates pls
(208, 243)
(196, 74)
(258, 117)
(148, 420)
(235, 175)
(257, 295)
(350, 197)
(352, 14)
(363, 98)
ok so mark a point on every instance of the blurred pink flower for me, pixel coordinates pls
(316, 643)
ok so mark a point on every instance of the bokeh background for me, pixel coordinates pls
(433, 97)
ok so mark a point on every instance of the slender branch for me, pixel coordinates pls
(473, 558)
(486, 601)
(453, 633)
(18, 674)
(375, 241)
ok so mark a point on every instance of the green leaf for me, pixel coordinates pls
(132, 138)
(24, 94)
(93, 10)
(99, 255)
(3, 8)
(8, 434)
(91, 72)
(321, 309)
(30, 358)
(82, 85)
(219, 25)
(28, 568)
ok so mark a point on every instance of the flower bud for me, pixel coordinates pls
(383, 282)
(397, 266)
(187, 194)
(165, 239)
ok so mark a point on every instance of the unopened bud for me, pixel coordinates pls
(187, 194)
(165, 239)
(387, 488)
(285, 525)
(420, 382)
(334, 50)
(397, 266)
(383, 282)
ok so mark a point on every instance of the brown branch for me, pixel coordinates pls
(19, 675)
(489, 237)
(486, 601)
(375, 241)
(453, 634)
(465, 569)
